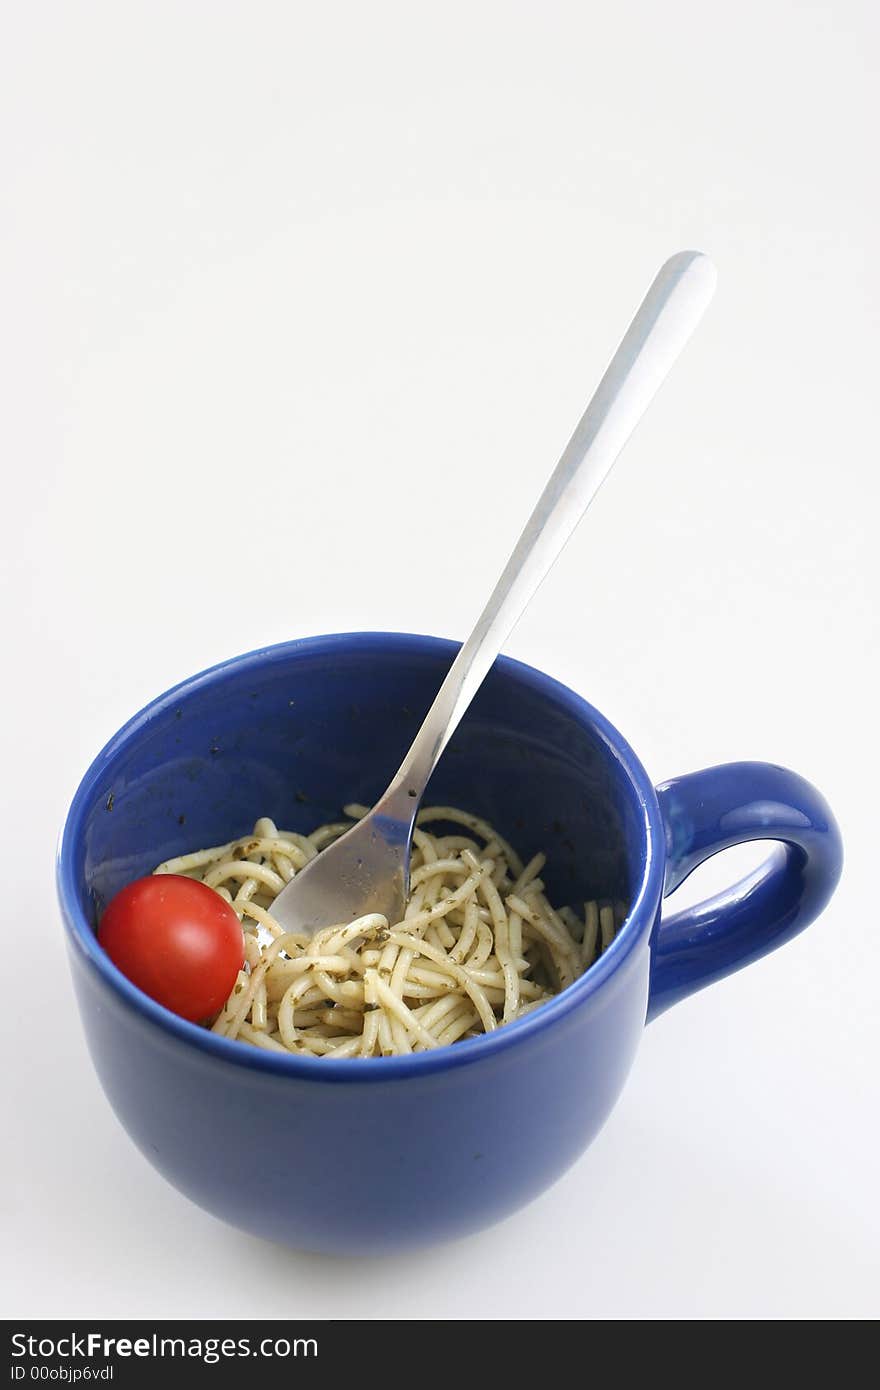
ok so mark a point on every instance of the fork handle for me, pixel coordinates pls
(668, 315)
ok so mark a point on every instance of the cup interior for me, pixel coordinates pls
(297, 731)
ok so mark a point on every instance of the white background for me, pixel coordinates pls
(284, 288)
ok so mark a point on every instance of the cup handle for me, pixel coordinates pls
(707, 811)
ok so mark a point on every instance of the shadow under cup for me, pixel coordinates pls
(352, 1155)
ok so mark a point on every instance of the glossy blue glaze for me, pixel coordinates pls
(337, 1156)
(708, 811)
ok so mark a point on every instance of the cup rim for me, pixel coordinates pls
(639, 920)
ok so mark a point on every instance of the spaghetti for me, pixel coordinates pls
(479, 944)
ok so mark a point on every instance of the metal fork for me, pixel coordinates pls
(367, 869)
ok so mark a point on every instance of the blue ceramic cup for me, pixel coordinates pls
(339, 1155)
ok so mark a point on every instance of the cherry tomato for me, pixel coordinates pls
(177, 940)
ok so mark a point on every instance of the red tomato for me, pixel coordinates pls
(177, 940)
